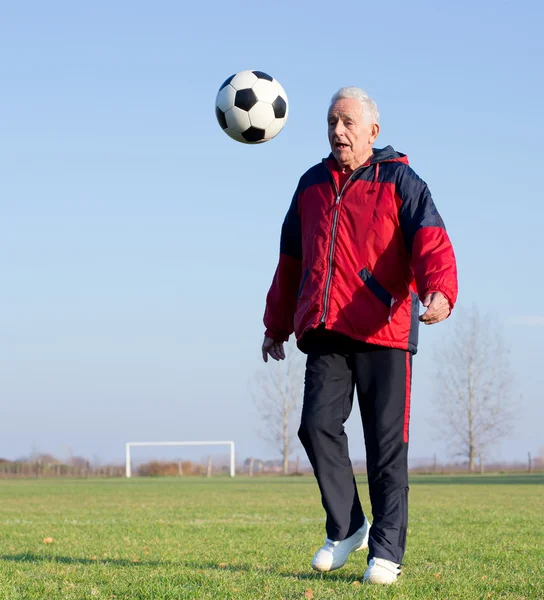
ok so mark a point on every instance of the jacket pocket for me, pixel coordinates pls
(303, 281)
(376, 288)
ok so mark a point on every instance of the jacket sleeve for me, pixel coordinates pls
(281, 301)
(427, 242)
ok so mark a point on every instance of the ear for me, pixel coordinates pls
(374, 132)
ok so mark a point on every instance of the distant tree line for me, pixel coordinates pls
(46, 466)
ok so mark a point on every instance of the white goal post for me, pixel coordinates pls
(130, 444)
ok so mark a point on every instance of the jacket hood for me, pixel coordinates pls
(387, 154)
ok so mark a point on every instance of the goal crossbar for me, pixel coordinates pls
(129, 445)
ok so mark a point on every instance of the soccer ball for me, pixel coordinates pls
(251, 107)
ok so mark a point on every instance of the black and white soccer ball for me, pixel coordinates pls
(251, 107)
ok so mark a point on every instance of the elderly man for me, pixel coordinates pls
(361, 244)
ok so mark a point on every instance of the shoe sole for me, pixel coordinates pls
(377, 581)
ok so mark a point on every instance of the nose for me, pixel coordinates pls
(338, 128)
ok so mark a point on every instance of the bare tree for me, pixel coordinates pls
(474, 400)
(277, 392)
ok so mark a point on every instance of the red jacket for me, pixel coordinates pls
(356, 259)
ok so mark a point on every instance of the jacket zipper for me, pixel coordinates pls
(333, 236)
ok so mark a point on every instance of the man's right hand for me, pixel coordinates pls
(275, 349)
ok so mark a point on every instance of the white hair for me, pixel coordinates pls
(370, 108)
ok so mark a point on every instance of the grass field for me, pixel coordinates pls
(469, 538)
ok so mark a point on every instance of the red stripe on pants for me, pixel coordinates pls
(407, 398)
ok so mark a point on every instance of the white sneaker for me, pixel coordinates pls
(334, 555)
(382, 571)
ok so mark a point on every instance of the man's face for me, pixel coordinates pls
(350, 136)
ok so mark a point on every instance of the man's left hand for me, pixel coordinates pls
(438, 308)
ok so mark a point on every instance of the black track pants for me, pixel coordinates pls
(335, 366)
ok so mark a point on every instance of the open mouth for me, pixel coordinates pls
(341, 146)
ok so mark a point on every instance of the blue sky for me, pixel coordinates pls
(138, 241)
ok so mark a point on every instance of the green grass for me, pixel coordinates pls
(469, 538)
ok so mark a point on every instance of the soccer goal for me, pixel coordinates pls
(129, 445)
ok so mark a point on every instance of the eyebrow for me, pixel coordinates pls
(343, 115)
